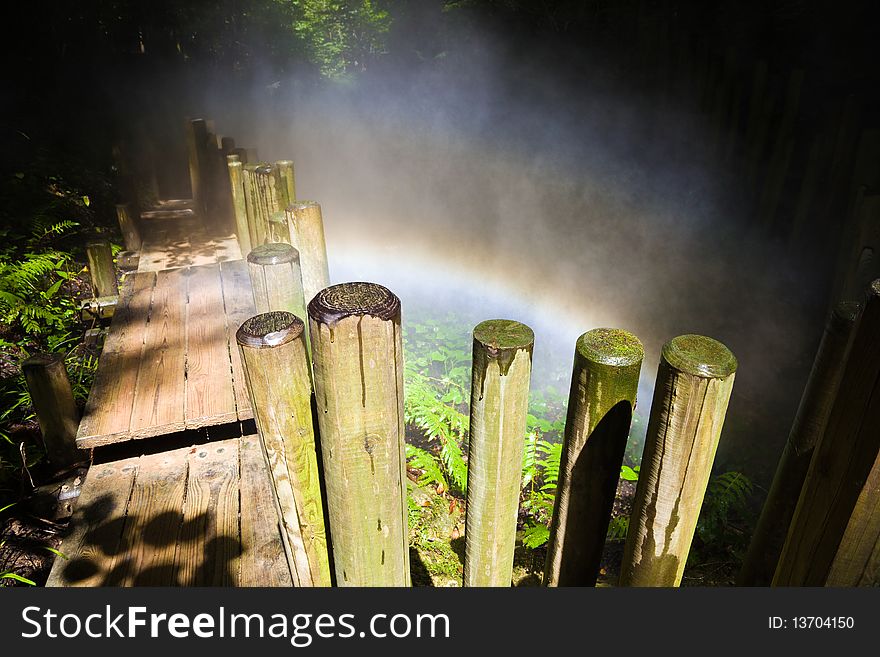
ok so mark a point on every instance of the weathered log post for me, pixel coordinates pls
(276, 280)
(101, 268)
(271, 195)
(52, 399)
(502, 367)
(836, 524)
(196, 141)
(604, 383)
(288, 181)
(809, 424)
(278, 376)
(236, 186)
(305, 227)
(256, 225)
(131, 236)
(694, 382)
(358, 370)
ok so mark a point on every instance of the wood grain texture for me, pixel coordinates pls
(358, 369)
(210, 399)
(153, 521)
(95, 532)
(210, 544)
(107, 415)
(263, 561)
(158, 405)
(238, 301)
(694, 381)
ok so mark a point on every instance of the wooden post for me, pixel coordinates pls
(128, 227)
(809, 424)
(306, 230)
(271, 194)
(358, 370)
(276, 280)
(604, 383)
(101, 268)
(236, 186)
(196, 140)
(694, 382)
(838, 489)
(288, 181)
(52, 399)
(502, 366)
(256, 226)
(278, 376)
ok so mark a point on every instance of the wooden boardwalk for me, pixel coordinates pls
(197, 516)
(200, 515)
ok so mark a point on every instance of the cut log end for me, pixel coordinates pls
(269, 330)
(299, 206)
(275, 253)
(608, 346)
(337, 302)
(700, 356)
(500, 336)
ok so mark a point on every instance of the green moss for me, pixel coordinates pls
(700, 356)
(609, 346)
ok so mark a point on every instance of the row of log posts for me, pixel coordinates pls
(809, 424)
(834, 537)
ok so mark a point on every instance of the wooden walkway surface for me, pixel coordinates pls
(196, 516)
(203, 514)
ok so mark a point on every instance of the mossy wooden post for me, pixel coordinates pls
(101, 269)
(236, 186)
(837, 501)
(694, 382)
(272, 199)
(305, 227)
(276, 280)
(288, 181)
(256, 225)
(277, 373)
(52, 399)
(358, 372)
(502, 367)
(809, 424)
(604, 383)
(128, 227)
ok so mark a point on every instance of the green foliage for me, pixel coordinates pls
(722, 530)
(342, 36)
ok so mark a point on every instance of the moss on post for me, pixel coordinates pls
(809, 424)
(694, 382)
(101, 269)
(288, 181)
(604, 383)
(305, 227)
(358, 371)
(52, 399)
(835, 532)
(502, 367)
(128, 227)
(236, 185)
(277, 372)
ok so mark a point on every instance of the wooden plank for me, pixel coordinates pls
(210, 542)
(263, 561)
(153, 523)
(239, 303)
(209, 393)
(96, 526)
(107, 414)
(158, 406)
